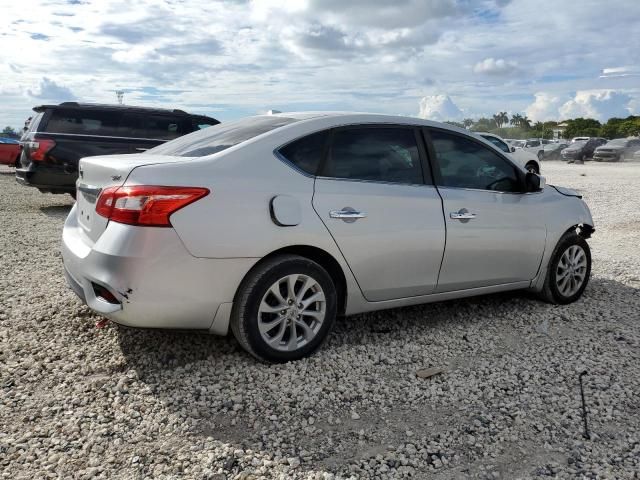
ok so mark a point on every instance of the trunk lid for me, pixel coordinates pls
(97, 173)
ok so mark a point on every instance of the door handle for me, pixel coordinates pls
(462, 215)
(347, 214)
(141, 149)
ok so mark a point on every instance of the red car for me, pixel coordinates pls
(9, 152)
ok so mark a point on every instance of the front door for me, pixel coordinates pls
(495, 232)
(381, 209)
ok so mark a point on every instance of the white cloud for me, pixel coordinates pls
(598, 104)
(232, 58)
(51, 91)
(439, 108)
(498, 67)
(545, 107)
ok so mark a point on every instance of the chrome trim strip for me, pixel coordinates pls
(106, 136)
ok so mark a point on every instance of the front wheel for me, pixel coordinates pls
(284, 309)
(569, 270)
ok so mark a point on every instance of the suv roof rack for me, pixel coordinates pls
(109, 106)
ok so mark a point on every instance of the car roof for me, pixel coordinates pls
(114, 107)
(346, 118)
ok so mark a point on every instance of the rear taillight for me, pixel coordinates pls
(145, 205)
(39, 147)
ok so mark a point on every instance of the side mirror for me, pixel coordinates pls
(533, 182)
(513, 149)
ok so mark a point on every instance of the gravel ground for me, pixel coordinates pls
(82, 402)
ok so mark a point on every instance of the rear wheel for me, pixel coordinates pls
(284, 309)
(569, 270)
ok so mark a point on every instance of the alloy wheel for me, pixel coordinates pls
(571, 271)
(291, 312)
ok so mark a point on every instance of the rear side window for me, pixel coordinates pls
(376, 154)
(153, 126)
(306, 153)
(32, 124)
(84, 122)
(220, 137)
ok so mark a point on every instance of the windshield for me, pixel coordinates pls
(519, 143)
(618, 142)
(220, 137)
(578, 144)
(497, 142)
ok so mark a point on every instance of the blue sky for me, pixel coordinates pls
(442, 59)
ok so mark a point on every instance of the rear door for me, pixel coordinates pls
(495, 232)
(382, 210)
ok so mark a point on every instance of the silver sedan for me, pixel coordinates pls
(272, 226)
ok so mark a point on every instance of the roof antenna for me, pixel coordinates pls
(120, 95)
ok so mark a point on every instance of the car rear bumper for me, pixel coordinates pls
(47, 178)
(153, 280)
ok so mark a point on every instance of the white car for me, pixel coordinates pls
(525, 158)
(272, 226)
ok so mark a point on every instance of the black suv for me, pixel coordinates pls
(60, 135)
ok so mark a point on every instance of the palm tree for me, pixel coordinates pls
(525, 122)
(498, 120)
(516, 118)
(504, 118)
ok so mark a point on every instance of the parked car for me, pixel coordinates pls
(553, 151)
(59, 135)
(582, 149)
(9, 151)
(526, 159)
(270, 226)
(618, 149)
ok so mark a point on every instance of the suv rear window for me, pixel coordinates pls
(220, 137)
(153, 126)
(84, 122)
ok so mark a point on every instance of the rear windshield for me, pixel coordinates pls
(220, 137)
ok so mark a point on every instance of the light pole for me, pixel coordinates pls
(120, 96)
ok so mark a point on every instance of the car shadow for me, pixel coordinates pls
(220, 390)
(56, 211)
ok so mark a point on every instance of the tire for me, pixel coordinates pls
(532, 167)
(540, 154)
(259, 316)
(556, 290)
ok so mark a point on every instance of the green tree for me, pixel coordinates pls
(484, 124)
(467, 122)
(525, 123)
(516, 118)
(9, 131)
(630, 127)
(582, 127)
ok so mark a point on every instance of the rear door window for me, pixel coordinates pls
(151, 126)
(84, 122)
(388, 154)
